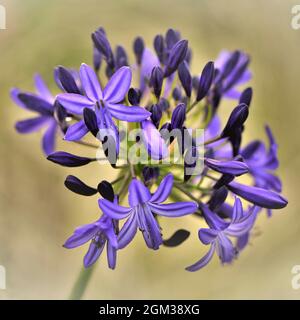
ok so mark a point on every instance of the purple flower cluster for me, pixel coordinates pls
(158, 94)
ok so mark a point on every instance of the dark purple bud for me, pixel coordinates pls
(178, 116)
(150, 174)
(97, 59)
(60, 115)
(246, 96)
(106, 190)
(218, 198)
(164, 104)
(121, 57)
(77, 186)
(233, 167)
(134, 96)
(68, 160)
(67, 81)
(215, 96)
(156, 81)
(159, 47)
(177, 238)
(223, 181)
(90, 120)
(172, 37)
(258, 196)
(236, 120)
(156, 114)
(185, 78)
(138, 48)
(206, 80)
(236, 139)
(176, 94)
(176, 56)
(102, 44)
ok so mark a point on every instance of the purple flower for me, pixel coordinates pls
(232, 68)
(99, 233)
(106, 103)
(142, 211)
(219, 232)
(43, 103)
(262, 162)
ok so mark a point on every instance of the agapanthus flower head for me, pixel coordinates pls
(173, 171)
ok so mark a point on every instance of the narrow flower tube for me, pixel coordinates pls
(233, 167)
(258, 196)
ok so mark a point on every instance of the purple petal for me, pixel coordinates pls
(93, 254)
(127, 232)
(34, 103)
(90, 83)
(81, 235)
(150, 228)
(111, 256)
(76, 131)
(138, 193)
(75, 103)
(42, 89)
(261, 197)
(31, 125)
(225, 249)
(237, 229)
(242, 241)
(149, 61)
(128, 113)
(113, 210)
(14, 95)
(203, 261)
(237, 210)
(111, 236)
(118, 86)
(207, 236)
(153, 141)
(49, 138)
(212, 219)
(233, 167)
(177, 209)
(164, 189)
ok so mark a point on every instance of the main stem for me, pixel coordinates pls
(81, 283)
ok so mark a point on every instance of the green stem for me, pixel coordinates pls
(187, 193)
(81, 283)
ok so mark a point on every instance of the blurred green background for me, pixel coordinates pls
(37, 213)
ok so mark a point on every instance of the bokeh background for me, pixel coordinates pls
(37, 213)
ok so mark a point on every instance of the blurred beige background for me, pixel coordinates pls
(37, 213)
